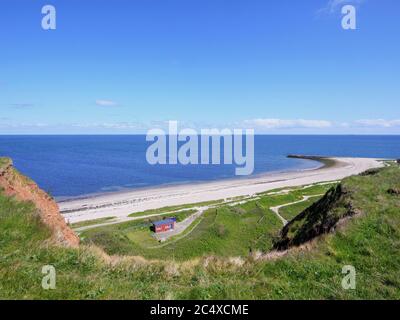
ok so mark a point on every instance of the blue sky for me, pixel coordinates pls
(125, 66)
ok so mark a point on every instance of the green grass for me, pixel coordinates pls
(90, 222)
(130, 237)
(173, 208)
(293, 210)
(304, 190)
(4, 161)
(224, 231)
(369, 242)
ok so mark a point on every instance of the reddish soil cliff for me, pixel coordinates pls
(12, 183)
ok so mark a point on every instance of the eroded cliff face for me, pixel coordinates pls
(321, 217)
(14, 184)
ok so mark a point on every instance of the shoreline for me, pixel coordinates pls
(122, 203)
(321, 162)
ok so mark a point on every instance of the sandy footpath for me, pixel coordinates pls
(121, 204)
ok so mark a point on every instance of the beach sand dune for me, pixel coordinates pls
(121, 204)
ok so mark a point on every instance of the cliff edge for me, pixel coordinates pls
(14, 184)
(321, 217)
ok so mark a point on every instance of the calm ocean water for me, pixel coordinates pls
(68, 166)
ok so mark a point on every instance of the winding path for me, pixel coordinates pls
(276, 209)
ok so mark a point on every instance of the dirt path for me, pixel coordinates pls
(180, 226)
(276, 209)
(177, 239)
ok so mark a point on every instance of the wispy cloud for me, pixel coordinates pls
(106, 103)
(285, 123)
(113, 125)
(24, 125)
(260, 125)
(378, 123)
(333, 5)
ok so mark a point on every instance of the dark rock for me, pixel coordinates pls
(370, 172)
(394, 191)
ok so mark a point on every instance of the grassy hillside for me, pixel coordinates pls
(220, 231)
(224, 231)
(292, 211)
(370, 242)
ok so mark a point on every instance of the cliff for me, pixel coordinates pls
(321, 217)
(14, 184)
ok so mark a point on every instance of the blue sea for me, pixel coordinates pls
(71, 166)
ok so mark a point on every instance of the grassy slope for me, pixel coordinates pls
(227, 231)
(293, 210)
(221, 231)
(3, 161)
(370, 242)
(91, 222)
(172, 208)
(121, 238)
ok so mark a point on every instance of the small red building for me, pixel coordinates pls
(164, 225)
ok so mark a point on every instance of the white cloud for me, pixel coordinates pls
(24, 125)
(378, 123)
(112, 125)
(106, 103)
(333, 5)
(284, 124)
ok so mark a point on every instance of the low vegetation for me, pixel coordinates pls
(226, 230)
(369, 241)
(173, 208)
(293, 210)
(91, 222)
(3, 162)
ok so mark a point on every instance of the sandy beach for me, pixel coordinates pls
(121, 204)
